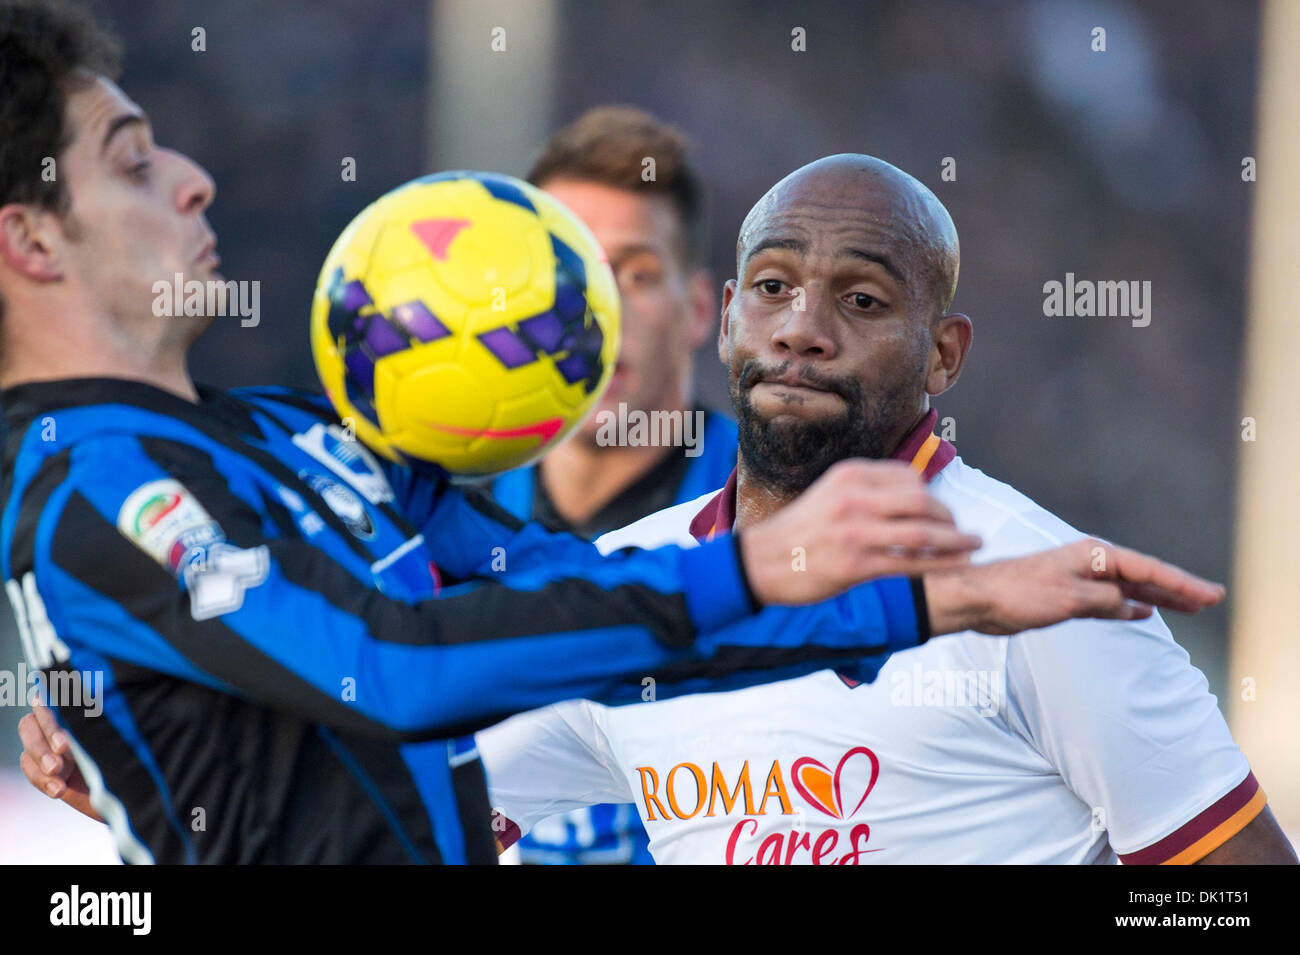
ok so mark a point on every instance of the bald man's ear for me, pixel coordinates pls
(950, 340)
(728, 295)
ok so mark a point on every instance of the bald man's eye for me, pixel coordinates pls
(770, 286)
(864, 301)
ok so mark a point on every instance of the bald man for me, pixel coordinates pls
(1085, 742)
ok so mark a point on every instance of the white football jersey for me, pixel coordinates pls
(1073, 744)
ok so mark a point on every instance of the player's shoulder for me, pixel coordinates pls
(1012, 525)
(127, 427)
(1010, 522)
(96, 418)
(672, 525)
(281, 398)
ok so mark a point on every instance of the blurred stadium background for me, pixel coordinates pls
(1116, 165)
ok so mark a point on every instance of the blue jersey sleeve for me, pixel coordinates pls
(282, 621)
(855, 631)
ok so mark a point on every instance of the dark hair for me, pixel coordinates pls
(610, 144)
(46, 49)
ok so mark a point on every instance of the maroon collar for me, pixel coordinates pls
(926, 451)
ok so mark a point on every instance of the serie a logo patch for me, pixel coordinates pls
(167, 522)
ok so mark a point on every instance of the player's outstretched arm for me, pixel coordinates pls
(1086, 578)
(862, 519)
(285, 623)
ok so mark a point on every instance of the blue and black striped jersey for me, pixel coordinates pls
(295, 639)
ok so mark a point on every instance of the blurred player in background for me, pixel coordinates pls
(630, 178)
(1096, 740)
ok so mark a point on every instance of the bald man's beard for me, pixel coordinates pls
(787, 456)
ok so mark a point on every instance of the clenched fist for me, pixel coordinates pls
(859, 521)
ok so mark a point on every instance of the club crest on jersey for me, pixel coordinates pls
(343, 501)
(167, 522)
(310, 522)
(347, 458)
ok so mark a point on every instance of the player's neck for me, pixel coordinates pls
(756, 501)
(52, 347)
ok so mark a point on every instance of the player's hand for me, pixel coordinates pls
(47, 761)
(1087, 578)
(858, 521)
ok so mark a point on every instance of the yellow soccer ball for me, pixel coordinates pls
(467, 320)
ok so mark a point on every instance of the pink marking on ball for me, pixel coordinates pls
(546, 430)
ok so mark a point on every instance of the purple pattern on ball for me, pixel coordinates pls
(355, 296)
(544, 330)
(570, 302)
(506, 346)
(416, 318)
(583, 339)
(382, 339)
(574, 368)
(361, 370)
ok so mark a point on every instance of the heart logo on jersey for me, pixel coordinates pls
(826, 790)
